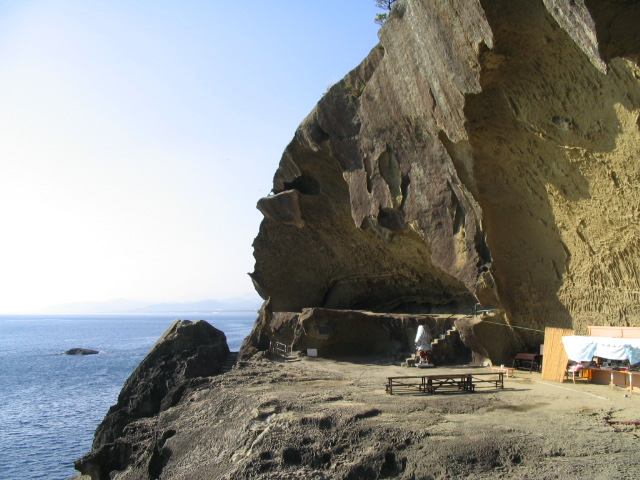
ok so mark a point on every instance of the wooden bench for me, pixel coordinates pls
(495, 378)
(465, 382)
(526, 361)
(456, 382)
(405, 382)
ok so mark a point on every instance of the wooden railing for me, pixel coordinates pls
(279, 349)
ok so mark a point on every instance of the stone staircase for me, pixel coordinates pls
(448, 348)
(444, 337)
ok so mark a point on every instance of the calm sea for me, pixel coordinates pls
(50, 404)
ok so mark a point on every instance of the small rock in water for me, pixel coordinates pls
(81, 351)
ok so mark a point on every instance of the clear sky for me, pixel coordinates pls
(136, 138)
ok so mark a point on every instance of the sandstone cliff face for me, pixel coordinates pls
(485, 150)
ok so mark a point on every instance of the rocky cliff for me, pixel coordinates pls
(485, 151)
(129, 438)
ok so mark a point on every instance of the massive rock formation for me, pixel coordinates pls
(183, 357)
(485, 151)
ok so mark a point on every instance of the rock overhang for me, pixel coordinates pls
(436, 165)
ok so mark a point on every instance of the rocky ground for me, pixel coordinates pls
(322, 419)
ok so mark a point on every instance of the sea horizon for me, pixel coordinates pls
(54, 402)
(134, 313)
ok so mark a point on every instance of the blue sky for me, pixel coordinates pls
(136, 138)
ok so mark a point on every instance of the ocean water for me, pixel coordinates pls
(50, 404)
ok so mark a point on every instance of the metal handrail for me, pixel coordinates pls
(279, 349)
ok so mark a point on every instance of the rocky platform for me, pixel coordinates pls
(326, 420)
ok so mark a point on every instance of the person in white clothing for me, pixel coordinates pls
(423, 346)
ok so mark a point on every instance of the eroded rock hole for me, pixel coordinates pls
(391, 467)
(390, 171)
(305, 184)
(458, 213)
(391, 219)
(461, 155)
(404, 189)
(484, 254)
(616, 27)
(318, 135)
(291, 456)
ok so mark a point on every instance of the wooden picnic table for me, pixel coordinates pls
(465, 382)
(527, 361)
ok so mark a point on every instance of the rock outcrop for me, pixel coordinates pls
(184, 355)
(485, 151)
(81, 351)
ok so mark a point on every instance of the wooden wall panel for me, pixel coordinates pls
(615, 332)
(631, 332)
(554, 361)
(603, 331)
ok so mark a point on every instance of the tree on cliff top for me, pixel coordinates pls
(386, 6)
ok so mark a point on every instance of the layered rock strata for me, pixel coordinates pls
(485, 151)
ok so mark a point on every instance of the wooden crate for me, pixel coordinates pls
(554, 360)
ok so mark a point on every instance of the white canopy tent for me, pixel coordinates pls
(583, 349)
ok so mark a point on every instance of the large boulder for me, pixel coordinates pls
(186, 351)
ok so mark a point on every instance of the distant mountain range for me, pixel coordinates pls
(246, 303)
(209, 305)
